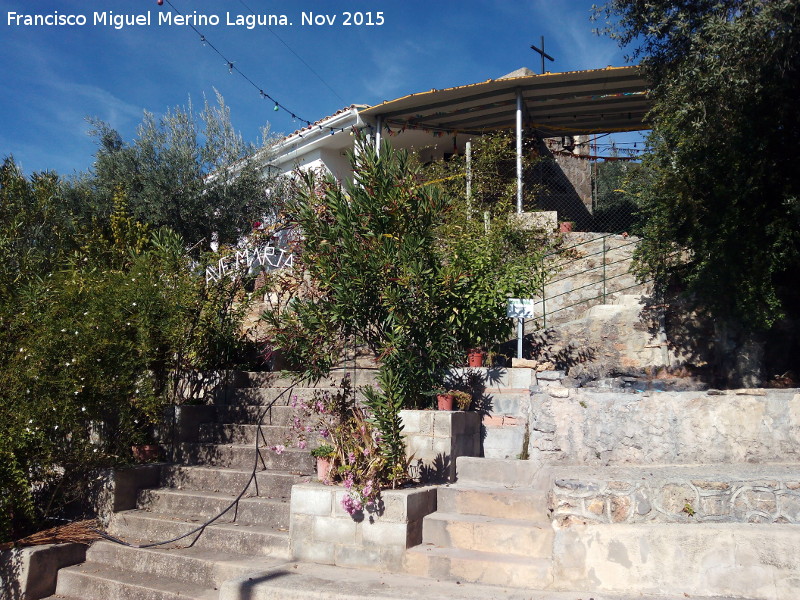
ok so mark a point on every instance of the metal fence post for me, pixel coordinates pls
(604, 268)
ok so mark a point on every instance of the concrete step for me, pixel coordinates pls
(305, 581)
(496, 379)
(91, 581)
(251, 413)
(499, 473)
(488, 534)
(263, 396)
(238, 456)
(358, 377)
(456, 564)
(230, 433)
(468, 499)
(506, 402)
(274, 483)
(190, 504)
(199, 566)
(142, 527)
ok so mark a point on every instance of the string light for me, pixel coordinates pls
(232, 67)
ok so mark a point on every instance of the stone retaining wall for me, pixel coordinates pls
(579, 427)
(698, 495)
(322, 532)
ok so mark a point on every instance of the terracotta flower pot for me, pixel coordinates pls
(323, 468)
(444, 401)
(565, 227)
(144, 453)
(475, 358)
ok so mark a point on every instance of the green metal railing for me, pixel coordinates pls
(604, 282)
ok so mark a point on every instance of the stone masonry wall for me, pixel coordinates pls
(574, 426)
(736, 494)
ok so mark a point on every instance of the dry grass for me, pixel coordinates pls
(80, 532)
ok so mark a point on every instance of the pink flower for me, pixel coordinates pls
(279, 449)
(302, 444)
(351, 457)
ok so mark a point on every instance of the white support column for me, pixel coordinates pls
(469, 179)
(519, 151)
(378, 134)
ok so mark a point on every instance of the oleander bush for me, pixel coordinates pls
(95, 319)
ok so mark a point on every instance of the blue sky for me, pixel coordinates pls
(54, 77)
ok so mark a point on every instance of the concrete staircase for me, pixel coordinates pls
(208, 473)
(592, 267)
(492, 527)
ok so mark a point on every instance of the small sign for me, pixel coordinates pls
(521, 308)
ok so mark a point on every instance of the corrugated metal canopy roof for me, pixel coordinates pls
(571, 103)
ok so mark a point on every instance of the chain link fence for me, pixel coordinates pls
(587, 191)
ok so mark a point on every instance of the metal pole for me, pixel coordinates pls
(520, 334)
(519, 151)
(469, 179)
(604, 269)
(378, 134)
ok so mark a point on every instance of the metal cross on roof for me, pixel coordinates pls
(543, 53)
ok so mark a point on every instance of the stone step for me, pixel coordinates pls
(274, 483)
(198, 566)
(91, 581)
(191, 504)
(231, 433)
(237, 456)
(142, 527)
(499, 473)
(467, 499)
(488, 534)
(456, 564)
(305, 581)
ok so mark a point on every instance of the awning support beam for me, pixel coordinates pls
(519, 151)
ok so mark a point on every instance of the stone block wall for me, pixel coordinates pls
(435, 438)
(322, 532)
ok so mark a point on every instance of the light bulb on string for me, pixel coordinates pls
(276, 108)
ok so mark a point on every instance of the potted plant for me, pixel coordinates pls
(475, 357)
(324, 454)
(463, 400)
(145, 453)
(444, 400)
